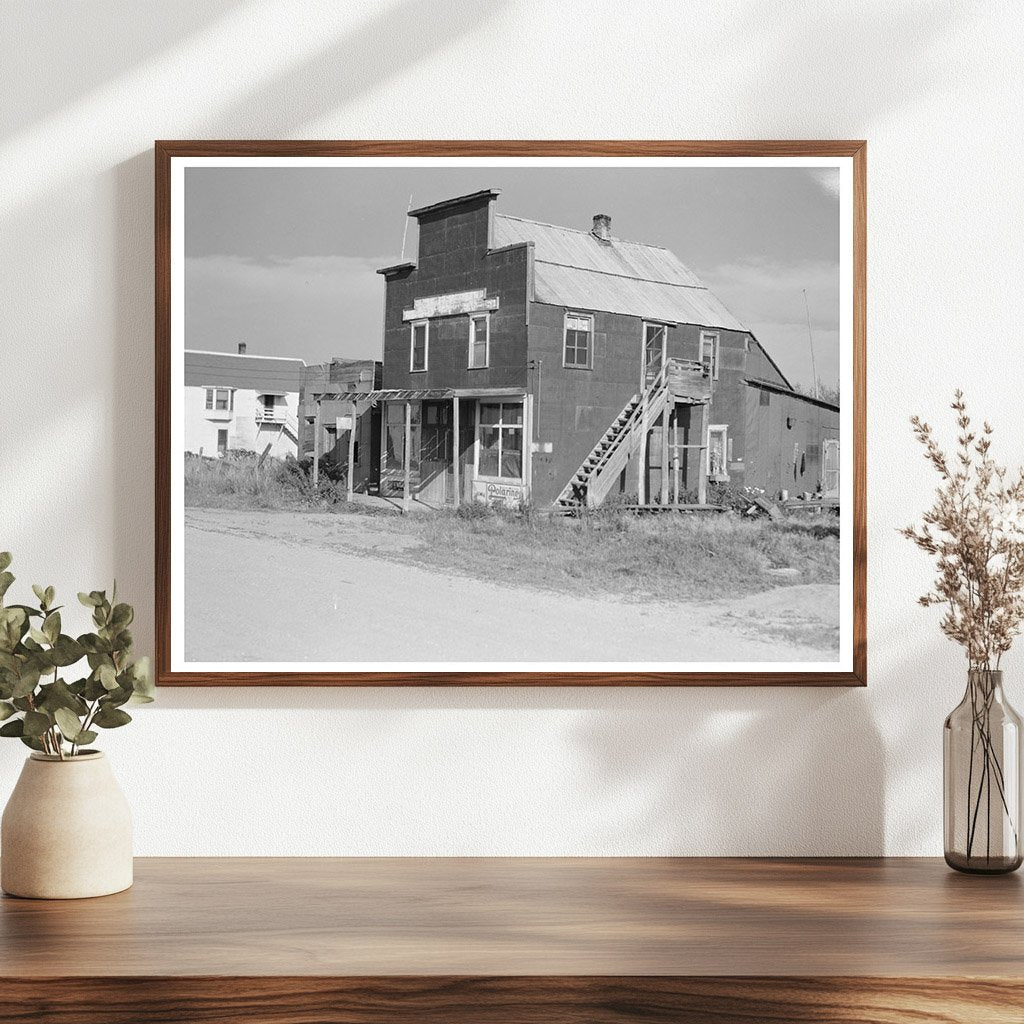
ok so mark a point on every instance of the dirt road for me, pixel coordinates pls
(310, 587)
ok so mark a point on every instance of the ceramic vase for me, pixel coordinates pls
(66, 831)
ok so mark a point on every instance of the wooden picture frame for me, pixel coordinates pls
(849, 154)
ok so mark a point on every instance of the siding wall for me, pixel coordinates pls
(784, 442)
(453, 258)
(574, 407)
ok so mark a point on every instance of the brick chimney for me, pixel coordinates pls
(602, 228)
(241, 348)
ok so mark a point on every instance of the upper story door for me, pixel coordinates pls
(655, 342)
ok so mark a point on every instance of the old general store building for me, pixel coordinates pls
(524, 361)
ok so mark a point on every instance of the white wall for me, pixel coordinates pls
(936, 88)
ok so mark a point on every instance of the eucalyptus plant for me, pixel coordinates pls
(37, 703)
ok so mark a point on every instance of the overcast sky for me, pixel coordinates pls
(284, 258)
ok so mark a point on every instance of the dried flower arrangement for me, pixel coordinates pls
(975, 531)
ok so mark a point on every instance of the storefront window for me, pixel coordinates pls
(501, 440)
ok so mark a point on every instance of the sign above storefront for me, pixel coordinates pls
(454, 304)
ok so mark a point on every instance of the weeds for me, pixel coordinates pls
(672, 557)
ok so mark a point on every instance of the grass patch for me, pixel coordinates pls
(238, 481)
(607, 551)
(670, 557)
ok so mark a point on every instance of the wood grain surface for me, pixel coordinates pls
(505, 940)
(166, 150)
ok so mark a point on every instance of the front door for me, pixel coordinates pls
(655, 337)
(436, 452)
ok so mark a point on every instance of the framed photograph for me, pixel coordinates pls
(492, 413)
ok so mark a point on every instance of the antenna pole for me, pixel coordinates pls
(810, 342)
(405, 227)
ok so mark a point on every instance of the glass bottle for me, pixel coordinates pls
(981, 773)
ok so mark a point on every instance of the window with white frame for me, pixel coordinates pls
(220, 399)
(479, 341)
(709, 352)
(718, 451)
(500, 440)
(578, 350)
(419, 339)
(655, 336)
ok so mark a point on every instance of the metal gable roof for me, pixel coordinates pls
(573, 268)
(263, 374)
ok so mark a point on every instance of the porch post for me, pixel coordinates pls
(528, 410)
(664, 453)
(316, 443)
(455, 450)
(406, 467)
(702, 472)
(675, 453)
(351, 453)
(641, 491)
(382, 462)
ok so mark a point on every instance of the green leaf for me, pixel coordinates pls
(50, 594)
(6, 579)
(59, 695)
(69, 724)
(40, 593)
(86, 736)
(94, 689)
(89, 600)
(13, 625)
(122, 616)
(27, 681)
(31, 741)
(13, 728)
(36, 723)
(5, 560)
(107, 676)
(111, 718)
(6, 710)
(66, 651)
(51, 626)
(38, 635)
(115, 698)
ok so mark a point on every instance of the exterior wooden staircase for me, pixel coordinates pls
(677, 381)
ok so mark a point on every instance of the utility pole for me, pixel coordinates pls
(810, 341)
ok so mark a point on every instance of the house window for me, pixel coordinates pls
(654, 349)
(500, 440)
(579, 330)
(718, 447)
(479, 341)
(418, 347)
(220, 399)
(709, 353)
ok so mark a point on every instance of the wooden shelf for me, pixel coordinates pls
(573, 941)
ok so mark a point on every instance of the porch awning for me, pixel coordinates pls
(416, 394)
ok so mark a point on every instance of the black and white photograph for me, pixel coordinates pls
(511, 414)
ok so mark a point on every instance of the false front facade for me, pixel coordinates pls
(526, 362)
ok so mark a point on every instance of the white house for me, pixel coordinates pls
(241, 401)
